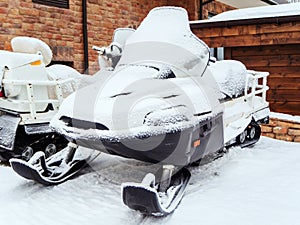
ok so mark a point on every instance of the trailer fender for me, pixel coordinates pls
(8, 130)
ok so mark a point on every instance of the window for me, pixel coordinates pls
(211, 14)
(56, 3)
(218, 53)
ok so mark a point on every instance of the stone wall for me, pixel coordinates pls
(282, 129)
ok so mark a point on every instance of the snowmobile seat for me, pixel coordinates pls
(231, 77)
(31, 45)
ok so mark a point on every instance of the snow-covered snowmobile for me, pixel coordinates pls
(161, 105)
(30, 95)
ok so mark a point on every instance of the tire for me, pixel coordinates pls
(27, 153)
(242, 137)
(50, 150)
(251, 132)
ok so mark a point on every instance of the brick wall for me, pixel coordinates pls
(104, 16)
(60, 28)
(282, 129)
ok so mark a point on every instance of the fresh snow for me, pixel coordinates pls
(258, 185)
(32, 46)
(231, 76)
(256, 12)
(160, 21)
(284, 116)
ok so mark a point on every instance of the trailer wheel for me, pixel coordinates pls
(27, 153)
(242, 137)
(50, 150)
(251, 132)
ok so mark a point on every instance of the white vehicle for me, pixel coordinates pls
(30, 95)
(165, 103)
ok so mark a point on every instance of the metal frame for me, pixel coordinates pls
(33, 114)
(253, 78)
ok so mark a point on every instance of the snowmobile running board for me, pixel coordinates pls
(52, 171)
(145, 197)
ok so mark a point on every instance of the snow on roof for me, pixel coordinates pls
(256, 12)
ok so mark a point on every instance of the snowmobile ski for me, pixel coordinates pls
(147, 197)
(54, 170)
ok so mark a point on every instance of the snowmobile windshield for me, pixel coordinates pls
(165, 37)
(121, 35)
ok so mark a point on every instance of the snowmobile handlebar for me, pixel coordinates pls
(101, 51)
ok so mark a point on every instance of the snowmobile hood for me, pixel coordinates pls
(15, 59)
(134, 97)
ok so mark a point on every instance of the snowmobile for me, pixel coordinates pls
(30, 95)
(165, 103)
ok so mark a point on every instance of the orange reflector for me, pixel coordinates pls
(36, 63)
(196, 143)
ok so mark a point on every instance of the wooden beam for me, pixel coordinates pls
(203, 3)
(255, 21)
(278, 71)
(285, 107)
(278, 95)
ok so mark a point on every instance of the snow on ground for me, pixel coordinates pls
(258, 185)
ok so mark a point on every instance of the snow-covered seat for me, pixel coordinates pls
(31, 45)
(231, 76)
(60, 72)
